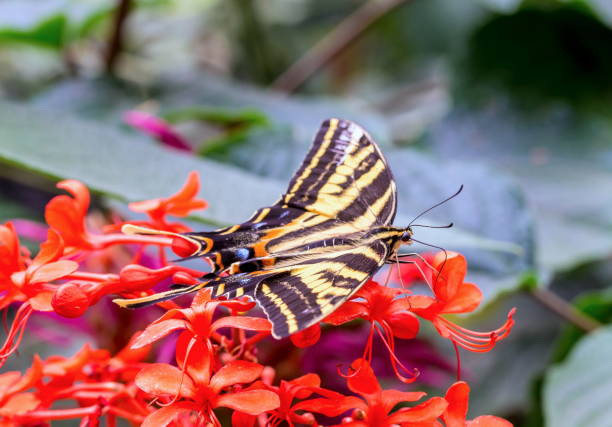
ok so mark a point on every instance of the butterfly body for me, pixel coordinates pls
(317, 245)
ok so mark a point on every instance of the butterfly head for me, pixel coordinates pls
(407, 235)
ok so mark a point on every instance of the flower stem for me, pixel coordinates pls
(563, 309)
(115, 44)
(334, 43)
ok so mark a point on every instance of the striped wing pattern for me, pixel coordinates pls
(304, 256)
(344, 176)
(300, 294)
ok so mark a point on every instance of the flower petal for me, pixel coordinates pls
(346, 312)
(243, 322)
(198, 354)
(421, 304)
(19, 404)
(426, 412)
(49, 251)
(307, 337)
(457, 398)
(362, 379)
(53, 271)
(156, 331)
(240, 419)
(391, 398)
(252, 402)
(42, 301)
(308, 380)
(331, 407)
(157, 128)
(61, 215)
(466, 300)
(32, 376)
(129, 354)
(488, 421)
(79, 191)
(236, 372)
(161, 379)
(404, 324)
(164, 416)
(452, 268)
(183, 201)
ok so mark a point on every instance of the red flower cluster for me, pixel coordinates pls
(217, 374)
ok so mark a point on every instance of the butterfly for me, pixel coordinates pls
(313, 249)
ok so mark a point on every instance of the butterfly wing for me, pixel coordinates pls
(298, 294)
(344, 176)
(304, 256)
(309, 293)
(343, 187)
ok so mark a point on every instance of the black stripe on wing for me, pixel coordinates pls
(304, 295)
(344, 176)
(235, 244)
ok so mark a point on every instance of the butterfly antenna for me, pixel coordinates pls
(436, 205)
(433, 226)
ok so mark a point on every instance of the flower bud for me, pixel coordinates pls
(69, 300)
(183, 278)
(183, 247)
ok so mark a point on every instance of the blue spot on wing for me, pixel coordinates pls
(242, 254)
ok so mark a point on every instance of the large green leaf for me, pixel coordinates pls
(577, 392)
(127, 167)
(561, 163)
(48, 33)
(130, 167)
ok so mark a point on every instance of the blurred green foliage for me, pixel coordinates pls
(511, 98)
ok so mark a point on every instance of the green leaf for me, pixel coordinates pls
(49, 33)
(597, 305)
(220, 116)
(559, 161)
(126, 167)
(237, 126)
(577, 392)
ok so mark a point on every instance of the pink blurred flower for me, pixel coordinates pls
(157, 128)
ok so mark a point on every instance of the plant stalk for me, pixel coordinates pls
(333, 43)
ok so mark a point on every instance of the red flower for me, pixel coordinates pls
(195, 390)
(100, 384)
(67, 214)
(453, 296)
(197, 323)
(72, 299)
(388, 311)
(456, 412)
(13, 398)
(290, 391)
(179, 204)
(29, 284)
(11, 258)
(374, 408)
